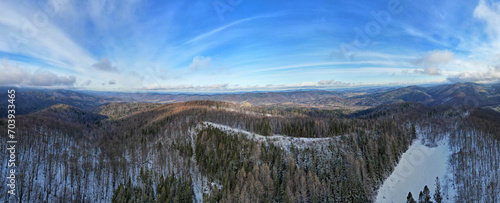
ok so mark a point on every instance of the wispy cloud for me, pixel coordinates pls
(30, 31)
(491, 15)
(425, 36)
(200, 62)
(329, 64)
(222, 28)
(186, 87)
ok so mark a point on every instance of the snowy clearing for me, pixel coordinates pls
(419, 166)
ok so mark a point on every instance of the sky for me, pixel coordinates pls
(243, 45)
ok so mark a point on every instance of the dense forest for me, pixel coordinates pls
(222, 152)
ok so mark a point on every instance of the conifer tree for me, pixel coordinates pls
(409, 198)
(421, 197)
(426, 195)
(437, 194)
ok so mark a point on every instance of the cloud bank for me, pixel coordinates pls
(270, 87)
(432, 60)
(14, 75)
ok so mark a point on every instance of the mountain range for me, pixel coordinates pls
(458, 94)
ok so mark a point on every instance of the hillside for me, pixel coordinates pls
(217, 151)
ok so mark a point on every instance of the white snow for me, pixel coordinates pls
(201, 184)
(246, 112)
(419, 166)
(279, 140)
(444, 101)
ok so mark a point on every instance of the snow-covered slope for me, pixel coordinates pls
(419, 166)
(279, 140)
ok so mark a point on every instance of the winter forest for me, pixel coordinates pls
(250, 101)
(211, 151)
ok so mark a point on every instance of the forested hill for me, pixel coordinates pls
(226, 152)
(32, 100)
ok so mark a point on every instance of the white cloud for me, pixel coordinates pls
(492, 75)
(253, 69)
(200, 62)
(432, 60)
(429, 70)
(488, 76)
(87, 83)
(14, 75)
(329, 83)
(187, 87)
(320, 84)
(269, 87)
(105, 65)
(47, 78)
(437, 57)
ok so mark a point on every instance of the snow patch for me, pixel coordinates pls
(245, 112)
(419, 166)
(444, 101)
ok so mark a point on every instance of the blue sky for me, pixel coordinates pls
(243, 45)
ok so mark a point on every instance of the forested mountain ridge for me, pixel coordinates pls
(197, 150)
(33, 100)
(458, 94)
(449, 94)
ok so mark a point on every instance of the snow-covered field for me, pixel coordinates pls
(419, 166)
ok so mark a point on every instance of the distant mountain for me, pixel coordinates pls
(254, 98)
(35, 100)
(458, 94)
(450, 94)
(470, 94)
(406, 94)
